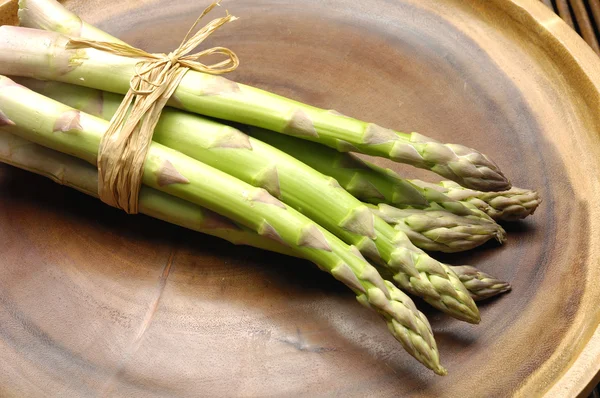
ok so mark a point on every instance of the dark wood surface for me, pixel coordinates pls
(581, 15)
(97, 303)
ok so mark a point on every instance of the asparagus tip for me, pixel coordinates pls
(500, 234)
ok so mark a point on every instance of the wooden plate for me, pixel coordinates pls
(97, 303)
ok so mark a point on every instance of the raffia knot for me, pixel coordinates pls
(173, 58)
(126, 142)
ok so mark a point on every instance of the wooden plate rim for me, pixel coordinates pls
(558, 38)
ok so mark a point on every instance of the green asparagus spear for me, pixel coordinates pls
(439, 230)
(512, 205)
(75, 173)
(480, 285)
(308, 191)
(51, 15)
(359, 179)
(375, 184)
(59, 127)
(221, 98)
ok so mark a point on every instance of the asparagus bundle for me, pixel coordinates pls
(218, 97)
(75, 173)
(262, 196)
(59, 127)
(308, 191)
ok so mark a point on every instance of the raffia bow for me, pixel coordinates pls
(126, 142)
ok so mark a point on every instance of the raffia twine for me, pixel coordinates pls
(126, 142)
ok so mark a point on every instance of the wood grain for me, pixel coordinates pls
(97, 303)
(8, 12)
(584, 23)
(594, 6)
(562, 7)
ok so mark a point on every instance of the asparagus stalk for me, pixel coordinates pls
(51, 15)
(308, 191)
(359, 179)
(481, 285)
(218, 97)
(59, 127)
(375, 184)
(77, 174)
(512, 205)
(439, 230)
